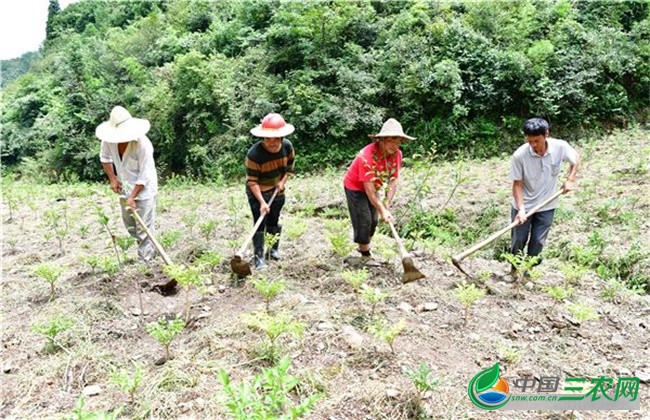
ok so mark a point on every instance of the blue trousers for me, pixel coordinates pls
(534, 232)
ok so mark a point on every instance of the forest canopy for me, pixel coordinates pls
(460, 76)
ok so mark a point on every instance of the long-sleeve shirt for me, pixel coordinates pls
(135, 167)
(265, 168)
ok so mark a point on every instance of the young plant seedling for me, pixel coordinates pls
(273, 327)
(269, 289)
(524, 268)
(423, 382)
(127, 381)
(50, 330)
(164, 331)
(187, 277)
(51, 274)
(382, 330)
(104, 220)
(374, 296)
(207, 229)
(125, 242)
(208, 261)
(267, 396)
(467, 295)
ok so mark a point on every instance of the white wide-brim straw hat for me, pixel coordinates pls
(122, 127)
(272, 126)
(391, 128)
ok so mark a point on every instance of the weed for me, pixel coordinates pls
(50, 273)
(169, 238)
(559, 293)
(127, 381)
(382, 330)
(269, 289)
(510, 355)
(356, 278)
(84, 230)
(340, 242)
(79, 413)
(582, 312)
(616, 291)
(267, 396)
(467, 295)
(51, 329)
(190, 221)
(164, 331)
(295, 229)
(573, 273)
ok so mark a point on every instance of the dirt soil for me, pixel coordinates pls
(358, 374)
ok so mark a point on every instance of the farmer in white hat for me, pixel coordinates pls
(269, 162)
(376, 167)
(127, 158)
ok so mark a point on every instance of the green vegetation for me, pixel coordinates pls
(269, 289)
(467, 295)
(51, 329)
(273, 326)
(460, 75)
(50, 273)
(164, 332)
(267, 396)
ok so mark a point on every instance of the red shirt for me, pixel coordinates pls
(368, 166)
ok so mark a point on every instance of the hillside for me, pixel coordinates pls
(601, 234)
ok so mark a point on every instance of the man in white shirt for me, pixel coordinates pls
(127, 158)
(534, 170)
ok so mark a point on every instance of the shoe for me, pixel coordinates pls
(258, 245)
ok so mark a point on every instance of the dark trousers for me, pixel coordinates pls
(363, 216)
(272, 217)
(534, 232)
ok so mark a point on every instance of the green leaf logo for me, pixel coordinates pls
(487, 378)
(483, 381)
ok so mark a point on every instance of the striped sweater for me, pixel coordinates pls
(265, 168)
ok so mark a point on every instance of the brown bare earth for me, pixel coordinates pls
(358, 375)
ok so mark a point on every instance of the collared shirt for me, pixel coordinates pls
(369, 166)
(540, 173)
(135, 167)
